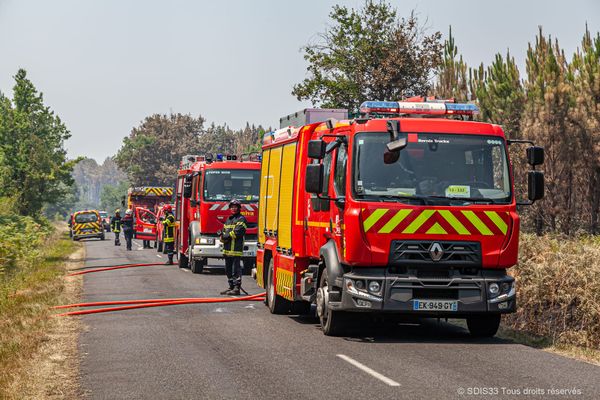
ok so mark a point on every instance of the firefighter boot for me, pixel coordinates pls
(170, 261)
(234, 292)
(226, 291)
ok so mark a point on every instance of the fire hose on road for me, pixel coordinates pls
(145, 303)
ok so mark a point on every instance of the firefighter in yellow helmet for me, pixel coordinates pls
(169, 233)
(115, 226)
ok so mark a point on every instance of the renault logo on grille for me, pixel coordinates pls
(436, 251)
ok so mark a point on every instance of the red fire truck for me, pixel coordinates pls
(408, 209)
(205, 185)
(144, 202)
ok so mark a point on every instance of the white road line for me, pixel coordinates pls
(368, 370)
(158, 255)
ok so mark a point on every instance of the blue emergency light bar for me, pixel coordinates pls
(431, 107)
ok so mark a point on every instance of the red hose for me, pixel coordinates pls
(165, 302)
(117, 302)
(115, 267)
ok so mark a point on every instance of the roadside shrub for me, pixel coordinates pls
(558, 288)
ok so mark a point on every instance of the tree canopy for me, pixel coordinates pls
(368, 54)
(33, 160)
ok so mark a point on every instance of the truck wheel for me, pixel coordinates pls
(183, 261)
(160, 247)
(484, 325)
(197, 266)
(333, 323)
(276, 303)
(249, 264)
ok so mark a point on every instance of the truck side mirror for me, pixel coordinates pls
(314, 178)
(316, 149)
(535, 155)
(187, 186)
(535, 185)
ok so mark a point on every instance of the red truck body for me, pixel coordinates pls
(429, 235)
(204, 189)
(144, 202)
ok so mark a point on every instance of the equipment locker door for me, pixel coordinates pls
(145, 224)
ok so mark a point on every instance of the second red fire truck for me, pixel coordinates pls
(205, 186)
(409, 209)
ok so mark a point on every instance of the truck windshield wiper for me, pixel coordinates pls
(421, 199)
(466, 199)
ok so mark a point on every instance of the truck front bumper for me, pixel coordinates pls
(472, 294)
(216, 250)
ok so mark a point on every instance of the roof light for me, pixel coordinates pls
(418, 105)
(379, 107)
(461, 108)
(219, 157)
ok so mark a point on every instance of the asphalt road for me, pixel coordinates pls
(241, 351)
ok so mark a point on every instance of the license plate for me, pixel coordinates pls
(435, 305)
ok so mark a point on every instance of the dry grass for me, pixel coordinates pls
(558, 288)
(38, 353)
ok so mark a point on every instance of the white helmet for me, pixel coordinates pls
(129, 211)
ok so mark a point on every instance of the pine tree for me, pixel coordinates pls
(452, 78)
(585, 115)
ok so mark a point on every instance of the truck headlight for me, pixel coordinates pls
(374, 286)
(207, 240)
(494, 289)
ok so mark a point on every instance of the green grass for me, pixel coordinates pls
(26, 297)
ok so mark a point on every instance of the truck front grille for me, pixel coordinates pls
(418, 253)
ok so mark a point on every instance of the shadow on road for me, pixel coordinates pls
(425, 330)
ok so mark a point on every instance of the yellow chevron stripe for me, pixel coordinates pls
(395, 220)
(454, 222)
(436, 229)
(474, 219)
(373, 218)
(498, 221)
(419, 221)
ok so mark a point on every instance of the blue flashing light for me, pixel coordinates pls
(219, 157)
(379, 105)
(462, 108)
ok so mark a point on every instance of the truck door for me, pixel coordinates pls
(339, 184)
(145, 224)
(319, 210)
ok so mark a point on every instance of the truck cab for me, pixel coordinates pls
(394, 213)
(205, 186)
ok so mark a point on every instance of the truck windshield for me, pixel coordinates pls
(437, 168)
(225, 184)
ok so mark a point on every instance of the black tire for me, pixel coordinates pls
(333, 323)
(159, 249)
(248, 265)
(197, 266)
(183, 261)
(102, 237)
(484, 325)
(276, 303)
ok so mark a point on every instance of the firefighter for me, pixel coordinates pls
(232, 238)
(127, 224)
(115, 226)
(169, 233)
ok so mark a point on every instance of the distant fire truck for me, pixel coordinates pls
(144, 202)
(392, 215)
(205, 185)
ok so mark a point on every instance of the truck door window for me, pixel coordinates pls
(340, 171)
(327, 172)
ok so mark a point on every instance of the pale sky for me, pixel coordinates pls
(104, 65)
